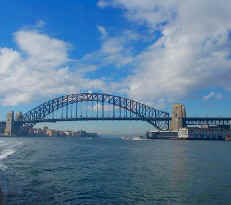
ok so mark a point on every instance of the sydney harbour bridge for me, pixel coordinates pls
(96, 106)
(101, 106)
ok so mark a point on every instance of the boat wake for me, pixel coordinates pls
(137, 138)
(7, 149)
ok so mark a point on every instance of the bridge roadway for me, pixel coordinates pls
(102, 119)
(187, 121)
(207, 121)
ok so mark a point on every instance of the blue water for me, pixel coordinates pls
(49, 171)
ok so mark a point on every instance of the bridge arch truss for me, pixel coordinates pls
(68, 108)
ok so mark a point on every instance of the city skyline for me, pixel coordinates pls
(155, 52)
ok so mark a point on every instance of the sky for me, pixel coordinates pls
(154, 51)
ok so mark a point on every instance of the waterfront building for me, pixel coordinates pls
(208, 133)
(45, 128)
(38, 131)
(51, 133)
(2, 128)
(68, 133)
(161, 134)
(30, 131)
(60, 133)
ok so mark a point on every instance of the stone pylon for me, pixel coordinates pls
(19, 116)
(9, 123)
(178, 113)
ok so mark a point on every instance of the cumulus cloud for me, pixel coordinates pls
(192, 53)
(42, 50)
(151, 13)
(103, 31)
(213, 95)
(102, 3)
(38, 69)
(115, 50)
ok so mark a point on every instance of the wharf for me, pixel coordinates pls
(193, 133)
(170, 135)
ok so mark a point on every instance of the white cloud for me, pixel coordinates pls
(192, 54)
(149, 12)
(114, 50)
(213, 95)
(8, 60)
(42, 50)
(103, 31)
(39, 69)
(40, 24)
(102, 3)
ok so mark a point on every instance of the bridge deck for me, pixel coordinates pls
(188, 119)
(208, 118)
(103, 119)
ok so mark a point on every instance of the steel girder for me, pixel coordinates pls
(159, 119)
(211, 121)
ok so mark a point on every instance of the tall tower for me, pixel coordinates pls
(19, 116)
(18, 126)
(9, 123)
(178, 113)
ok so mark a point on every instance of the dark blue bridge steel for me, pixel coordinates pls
(96, 106)
(211, 121)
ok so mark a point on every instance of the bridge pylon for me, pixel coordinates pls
(178, 113)
(9, 130)
(14, 124)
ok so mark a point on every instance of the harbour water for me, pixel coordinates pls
(53, 171)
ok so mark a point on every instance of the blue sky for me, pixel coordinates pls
(158, 52)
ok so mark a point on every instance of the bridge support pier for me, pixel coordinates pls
(13, 126)
(178, 113)
(9, 130)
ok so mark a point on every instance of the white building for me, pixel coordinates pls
(210, 133)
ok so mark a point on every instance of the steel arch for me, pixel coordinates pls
(159, 119)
